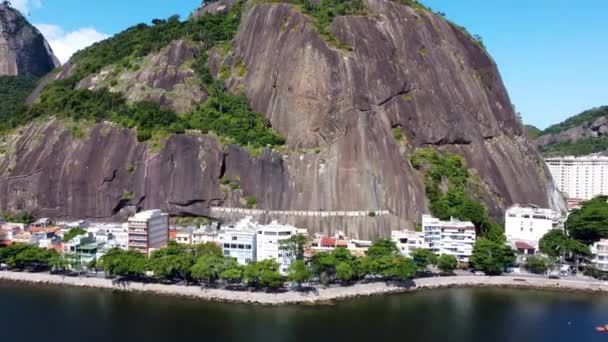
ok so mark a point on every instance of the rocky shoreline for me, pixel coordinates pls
(322, 296)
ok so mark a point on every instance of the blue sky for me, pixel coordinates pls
(553, 54)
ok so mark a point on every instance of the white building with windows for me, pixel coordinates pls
(267, 244)
(452, 237)
(600, 255)
(407, 241)
(239, 240)
(526, 225)
(148, 231)
(580, 178)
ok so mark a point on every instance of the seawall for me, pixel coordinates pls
(321, 296)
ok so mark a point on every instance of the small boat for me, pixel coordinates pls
(600, 329)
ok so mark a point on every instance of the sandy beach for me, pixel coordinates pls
(322, 296)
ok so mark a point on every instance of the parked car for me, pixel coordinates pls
(553, 276)
(479, 273)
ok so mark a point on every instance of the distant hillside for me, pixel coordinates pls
(533, 131)
(582, 134)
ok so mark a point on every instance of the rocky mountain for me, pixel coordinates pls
(353, 97)
(582, 134)
(23, 49)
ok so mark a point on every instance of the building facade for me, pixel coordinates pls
(449, 237)
(239, 241)
(600, 255)
(407, 241)
(268, 244)
(526, 225)
(580, 178)
(148, 231)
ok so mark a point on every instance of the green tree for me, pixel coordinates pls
(345, 272)
(383, 247)
(295, 245)
(128, 264)
(172, 262)
(491, 257)
(323, 263)
(557, 244)
(72, 233)
(233, 275)
(264, 273)
(401, 269)
(447, 263)
(299, 272)
(538, 265)
(589, 223)
(208, 268)
(207, 248)
(423, 258)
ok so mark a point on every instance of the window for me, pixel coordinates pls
(241, 246)
(226, 245)
(234, 238)
(226, 252)
(247, 246)
(284, 233)
(233, 246)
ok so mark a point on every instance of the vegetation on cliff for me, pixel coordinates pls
(226, 114)
(13, 92)
(447, 183)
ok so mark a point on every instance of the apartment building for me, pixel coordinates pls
(268, 244)
(407, 241)
(580, 178)
(239, 240)
(526, 225)
(600, 254)
(148, 231)
(452, 237)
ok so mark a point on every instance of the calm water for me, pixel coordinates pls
(29, 314)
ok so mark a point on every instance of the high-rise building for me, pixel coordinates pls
(452, 237)
(580, 178)
(148, 231)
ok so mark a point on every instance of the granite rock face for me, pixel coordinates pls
(337, 109)
(23, 49)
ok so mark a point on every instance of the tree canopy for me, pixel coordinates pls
(557, 244)
(589, 223)
(491, 257)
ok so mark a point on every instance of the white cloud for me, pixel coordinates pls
(65, 44)
(24, 6)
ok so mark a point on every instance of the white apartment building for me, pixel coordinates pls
(449, 237)
(580, 178)
(407, 241)
(267, 244)
(148, 231)
(600, 254)
(528, 224)
(208, 233)
(239, 240)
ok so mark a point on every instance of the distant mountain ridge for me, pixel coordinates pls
(23, 49)
(582, 134)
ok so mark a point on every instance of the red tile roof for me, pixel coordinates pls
(523, 245)
(332, 242)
